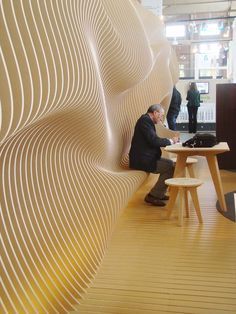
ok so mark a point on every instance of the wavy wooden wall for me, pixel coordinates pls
(75, 76)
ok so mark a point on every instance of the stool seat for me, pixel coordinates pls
(183, 182)
(189, 160)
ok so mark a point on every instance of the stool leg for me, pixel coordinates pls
(193, 192)
(171, 202)
(181, 204)
(186, 202)
(191, 171)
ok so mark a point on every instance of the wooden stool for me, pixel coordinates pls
(183, 185)
(189, 165)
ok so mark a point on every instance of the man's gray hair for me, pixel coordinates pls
(155, 107)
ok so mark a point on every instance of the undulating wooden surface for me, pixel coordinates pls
(154, 266)
(75, 77)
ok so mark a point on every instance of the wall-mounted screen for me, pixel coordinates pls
(203, 87)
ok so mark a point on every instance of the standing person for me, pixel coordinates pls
(145, 153)
(174, 109)
(193, 97)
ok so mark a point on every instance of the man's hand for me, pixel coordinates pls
(175, 139)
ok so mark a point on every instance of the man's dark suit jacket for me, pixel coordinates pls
(145, 146)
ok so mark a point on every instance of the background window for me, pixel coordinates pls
(175, 31)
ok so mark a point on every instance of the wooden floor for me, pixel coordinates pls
(154, 266)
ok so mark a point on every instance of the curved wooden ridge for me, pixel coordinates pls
(75, 76)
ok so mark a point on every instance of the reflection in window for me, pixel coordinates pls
(209, 29)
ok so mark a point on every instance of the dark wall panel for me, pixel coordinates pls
(226, 123)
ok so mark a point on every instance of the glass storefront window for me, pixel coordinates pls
(202, 47)
(203, 60)
(209, 29)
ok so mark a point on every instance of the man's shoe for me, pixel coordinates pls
(165, 198)
(153, 200)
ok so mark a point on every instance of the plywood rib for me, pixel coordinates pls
(75, 76)
(154, 266)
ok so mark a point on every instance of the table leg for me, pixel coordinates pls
(215, 173)
(180, 165)
(191, 171)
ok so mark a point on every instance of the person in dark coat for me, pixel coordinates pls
(174, 109)
(145, 153)
(193, 97)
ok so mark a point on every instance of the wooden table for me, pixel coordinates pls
(210, 153)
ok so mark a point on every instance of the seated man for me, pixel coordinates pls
(145, 153)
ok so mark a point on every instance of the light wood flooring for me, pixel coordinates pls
(154, 266)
